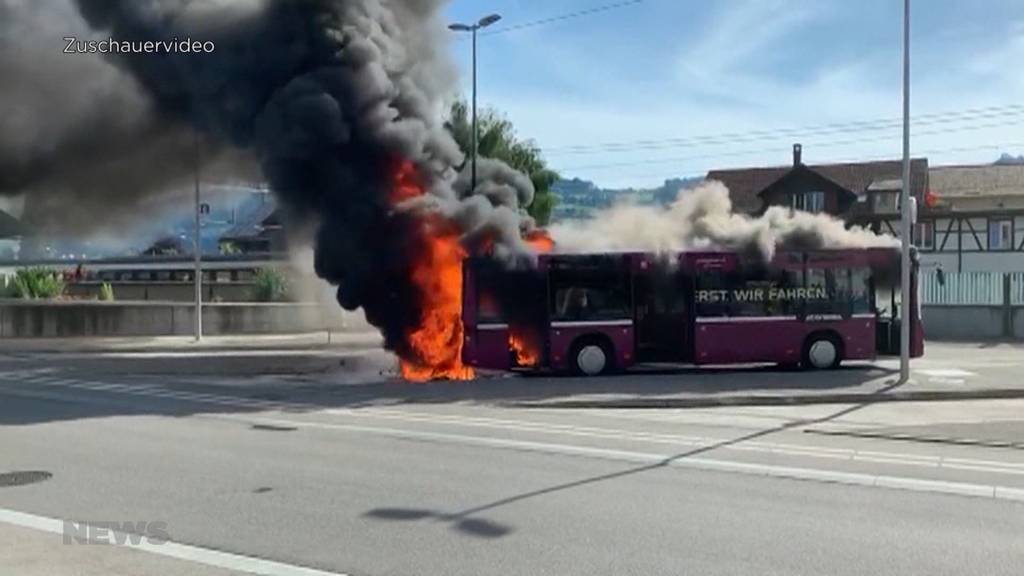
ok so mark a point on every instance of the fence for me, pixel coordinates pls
(973, 305)
(964, 288)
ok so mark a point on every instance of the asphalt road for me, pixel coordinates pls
(275, 474)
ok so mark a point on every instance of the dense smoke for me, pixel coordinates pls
(702, 218)
(330, 98)
(78, 135)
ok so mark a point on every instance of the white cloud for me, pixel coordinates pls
(739, 36)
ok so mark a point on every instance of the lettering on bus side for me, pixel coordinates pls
(712, 295)
(761, 294)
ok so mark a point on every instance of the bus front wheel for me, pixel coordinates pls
(591, 357)
(823, 352)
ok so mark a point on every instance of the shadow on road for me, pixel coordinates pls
(460, 518)
(36, 393)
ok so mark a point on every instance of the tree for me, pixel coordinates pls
(498, 140)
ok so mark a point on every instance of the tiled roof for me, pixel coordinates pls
(977, 181)
(745, 185)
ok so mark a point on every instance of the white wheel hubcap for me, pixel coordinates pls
(823, 354)
(591, 360)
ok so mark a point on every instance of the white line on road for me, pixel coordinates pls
(196, 554)
(902, 459)
(946, 373)
(699, 463)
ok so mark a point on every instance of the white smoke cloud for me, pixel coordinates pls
(702, 218)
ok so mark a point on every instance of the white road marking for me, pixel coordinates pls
(697, 463)
(902, 459)
(189, 553)
(946, 373)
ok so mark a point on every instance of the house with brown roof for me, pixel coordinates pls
(976, 223)
(863, 193)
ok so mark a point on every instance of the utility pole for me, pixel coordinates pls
(474, 28)
(472, 182)
(197, 250)
(906, 208)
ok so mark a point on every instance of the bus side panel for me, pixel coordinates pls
(742, 340)
(564, 335)
(490, 348)
(859, 335)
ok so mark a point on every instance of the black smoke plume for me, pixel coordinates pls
(328, 97)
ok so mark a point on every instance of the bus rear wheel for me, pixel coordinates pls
(822, 352)
(591, 357)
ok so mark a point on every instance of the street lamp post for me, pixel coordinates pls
(197, 248)
(473, 28)
(906, 207)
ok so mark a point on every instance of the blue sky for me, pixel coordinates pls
(748, 69)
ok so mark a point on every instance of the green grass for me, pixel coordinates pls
(38, 283)
(106, 292)
(271, 285)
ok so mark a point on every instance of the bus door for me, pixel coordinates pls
(660, 308)
(486, 338)
(888, 310)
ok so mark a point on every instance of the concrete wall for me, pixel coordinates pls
(84, 319)
(966, 322)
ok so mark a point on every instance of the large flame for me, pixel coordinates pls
(437, 338)
(540, 241)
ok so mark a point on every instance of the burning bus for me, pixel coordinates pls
(594, 313)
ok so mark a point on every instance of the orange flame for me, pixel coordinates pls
(524, 354)
(540, 241)
(438, 337)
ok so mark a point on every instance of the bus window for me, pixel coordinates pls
(590, 294)
(781, 283)
(764, 292)
(712, 294)
(754, 292)
(487, 308)
(822, 291)
(860, 290)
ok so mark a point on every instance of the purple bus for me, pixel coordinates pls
(595, 313)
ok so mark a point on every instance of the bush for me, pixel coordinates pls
(33, 283)
(271, 285)
(106, 292)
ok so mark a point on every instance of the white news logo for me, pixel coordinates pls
(115, 533)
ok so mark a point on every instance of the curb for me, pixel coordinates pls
(778, 400)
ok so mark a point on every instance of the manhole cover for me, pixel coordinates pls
(11, 479)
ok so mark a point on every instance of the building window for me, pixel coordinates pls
(926, 235)
(813, 202)
(1000, 234)
(886, 202)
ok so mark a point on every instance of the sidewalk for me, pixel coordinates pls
(30, 553)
